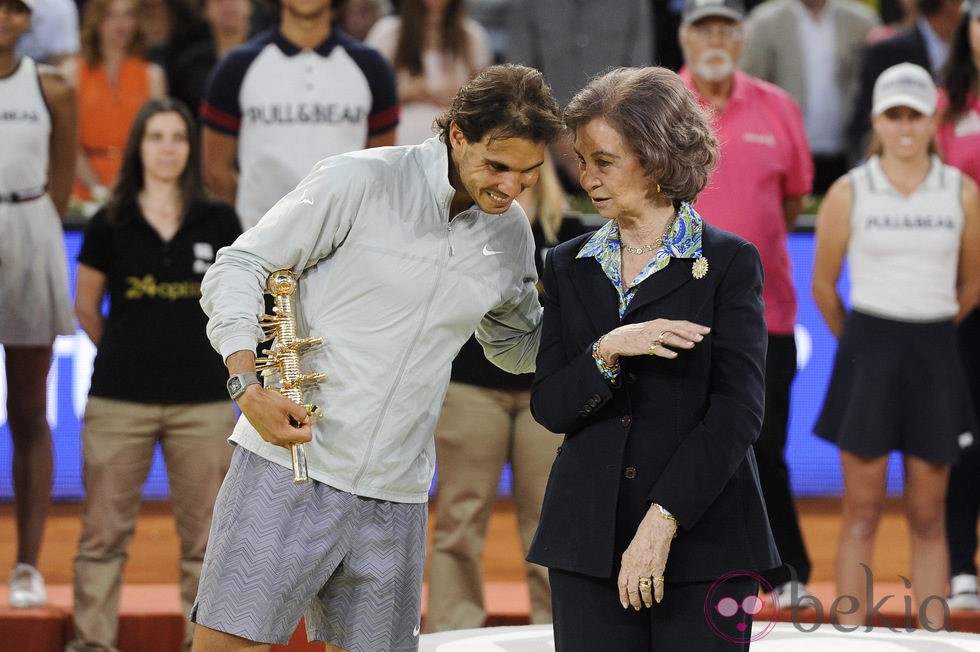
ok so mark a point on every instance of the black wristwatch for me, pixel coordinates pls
(238, 383)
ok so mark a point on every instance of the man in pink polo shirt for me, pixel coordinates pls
(764, 173)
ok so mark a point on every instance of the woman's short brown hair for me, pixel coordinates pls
(659, 119)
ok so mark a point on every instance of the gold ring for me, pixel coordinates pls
(644, 582)
(660, 338)
(653, 348)
(658, 579)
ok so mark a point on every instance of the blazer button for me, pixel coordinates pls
(630, 472)
(626, 421)
(558, 451)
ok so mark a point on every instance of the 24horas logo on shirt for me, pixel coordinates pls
(147, 287)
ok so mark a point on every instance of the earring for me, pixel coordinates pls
(658, 188)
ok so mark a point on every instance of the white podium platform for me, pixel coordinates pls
(781, 637)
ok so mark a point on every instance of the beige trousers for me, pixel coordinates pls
(118, 441)
(479, 430)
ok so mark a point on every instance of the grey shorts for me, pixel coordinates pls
(278, 551)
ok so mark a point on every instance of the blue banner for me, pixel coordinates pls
(814, 464)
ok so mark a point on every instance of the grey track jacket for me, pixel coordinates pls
(395, 288)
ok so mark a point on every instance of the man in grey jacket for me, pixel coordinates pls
(401, 253)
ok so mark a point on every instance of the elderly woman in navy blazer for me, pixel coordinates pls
(652, 363)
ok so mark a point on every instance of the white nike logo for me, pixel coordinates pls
(415, 632)
(305, 200)
(487, 251)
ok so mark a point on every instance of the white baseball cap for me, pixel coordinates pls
(904, 84)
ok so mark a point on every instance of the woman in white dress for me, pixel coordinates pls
(37, 164)
(909, 227)
(435, 49)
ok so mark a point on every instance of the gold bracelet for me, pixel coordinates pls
(668, 516)
(664, 513)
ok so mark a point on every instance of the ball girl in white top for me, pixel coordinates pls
(37, 132)
(910, 229)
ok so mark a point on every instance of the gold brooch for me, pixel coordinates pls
(700, 268)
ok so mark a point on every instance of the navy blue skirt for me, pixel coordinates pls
(897, 385)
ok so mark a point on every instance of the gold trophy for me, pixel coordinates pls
(283, 356)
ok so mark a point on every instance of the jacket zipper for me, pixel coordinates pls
(403, 365)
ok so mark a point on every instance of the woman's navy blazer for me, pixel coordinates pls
(678, 432)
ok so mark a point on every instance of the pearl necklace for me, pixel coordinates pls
(647, 248)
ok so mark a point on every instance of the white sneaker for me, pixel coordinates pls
(963, 593)
(792, 594)
(26, 587)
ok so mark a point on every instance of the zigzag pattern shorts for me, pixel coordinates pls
(278, 551)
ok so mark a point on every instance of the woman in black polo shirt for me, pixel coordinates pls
(156, 378)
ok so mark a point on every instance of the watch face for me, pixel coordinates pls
(234, 385)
